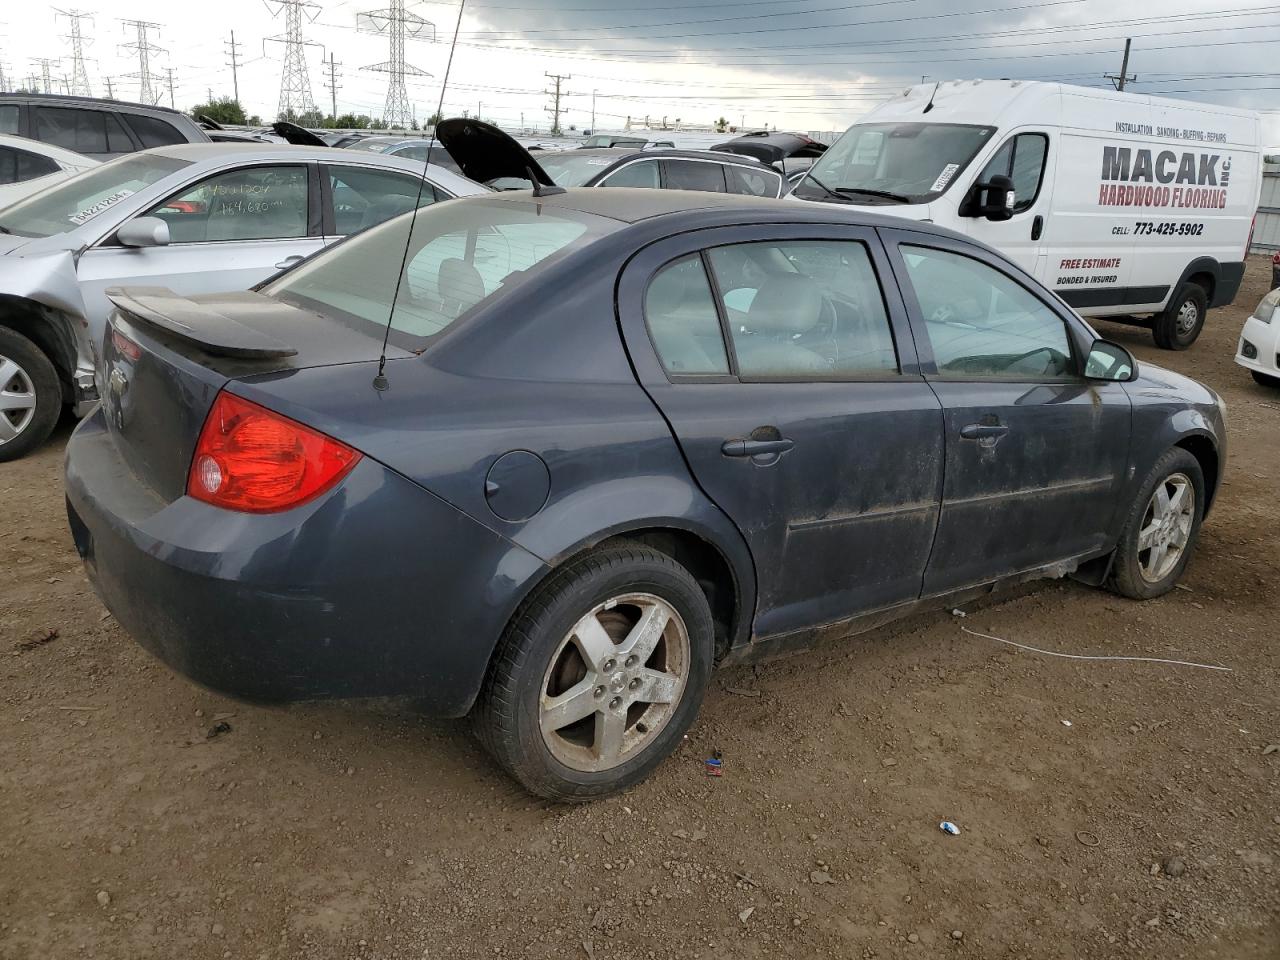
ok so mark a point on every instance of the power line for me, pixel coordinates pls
(79, 82)
(397, 25)
(554, 109)
(295, 86)
(234, 53)
(144, 48)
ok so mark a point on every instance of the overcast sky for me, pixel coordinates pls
(799, 64)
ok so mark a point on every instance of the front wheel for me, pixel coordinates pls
(30, 396)
(599, 675)
(1161, 528)
(1180, 324)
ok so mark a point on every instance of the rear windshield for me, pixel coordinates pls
(76, 201)
(462, 253)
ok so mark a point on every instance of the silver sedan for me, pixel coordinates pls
(197, 218)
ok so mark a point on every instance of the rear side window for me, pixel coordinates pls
(154, 132)
(363, 198)
(19, 165)
(8, 118)
(1021, 159)
(753, 183)
(252, 203)
(644, 174)
(84, 131)
(694, 175)
(683, 324)
(805, 309)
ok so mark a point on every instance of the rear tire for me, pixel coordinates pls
(1265, 379)
(1180, 324)
(565, 708)
(30, 396)
(1138, 570)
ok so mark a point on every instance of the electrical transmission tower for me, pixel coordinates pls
(556, 94)
(79, 76)
(46, 76)
(333, 84)
(295, 86)
(148, 93)
(398, 24)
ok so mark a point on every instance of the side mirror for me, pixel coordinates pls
(1110, 362)
(993, 199)
(144, 232)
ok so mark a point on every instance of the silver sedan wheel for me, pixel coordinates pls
(1188, 317)
(1166, 527)
(17, 400)
(614, 682)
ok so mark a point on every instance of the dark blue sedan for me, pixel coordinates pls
(617, 437)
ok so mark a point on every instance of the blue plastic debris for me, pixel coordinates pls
(946, 826)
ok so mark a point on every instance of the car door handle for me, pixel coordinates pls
(1037, 227)
(288, 262)
(983, 431)
(755, 448)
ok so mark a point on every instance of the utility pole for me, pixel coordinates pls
(333, 84)
(169, 81)
(295, 86)
(145, 49)
(111, 93)
(235, 65)
(397, 24)
(593, 111)
(556, 94)
(1124, 69)
(79, 83)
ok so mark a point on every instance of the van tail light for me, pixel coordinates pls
(252, 459)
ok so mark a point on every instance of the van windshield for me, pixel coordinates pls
(888, 163)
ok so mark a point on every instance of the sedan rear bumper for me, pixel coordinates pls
(378, 589)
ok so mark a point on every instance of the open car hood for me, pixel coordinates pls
(294, 134)
(773, 147)
(484, 153)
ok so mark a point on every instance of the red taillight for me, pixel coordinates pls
(124, 346)
(253, 459)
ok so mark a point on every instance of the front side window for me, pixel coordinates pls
(252, 203)
(1021, 159)
(983, 324)
(893, 163)
(810, 309)
(643, 174)
(154, 132)
(680, 313)
(86, 196)
(752, 183)
(459, 256)
(694, 175)
(363, 198)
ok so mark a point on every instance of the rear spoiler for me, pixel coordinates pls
(196, 323)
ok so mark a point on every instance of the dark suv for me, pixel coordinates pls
(93, 127)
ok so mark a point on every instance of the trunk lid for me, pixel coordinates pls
(485, 153)
(166, 357)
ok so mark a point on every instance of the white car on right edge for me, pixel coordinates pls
(1259, 347)
(27, 166)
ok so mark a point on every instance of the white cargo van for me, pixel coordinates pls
(1131, 207)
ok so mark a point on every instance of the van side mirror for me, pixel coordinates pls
(144, 232)
(1110, 362)
(992, 199)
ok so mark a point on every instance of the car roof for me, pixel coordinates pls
(98, 102)
(632, 205)
(626, 153)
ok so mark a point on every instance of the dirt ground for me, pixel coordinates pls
(326, 832)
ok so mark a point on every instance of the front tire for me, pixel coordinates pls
(1161, 528)
(599, 675)
(1265, 379)
(30, 396)
(1180, 324)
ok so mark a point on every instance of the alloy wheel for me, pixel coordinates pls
(17, 400)
(614, 682)
(1166, 527)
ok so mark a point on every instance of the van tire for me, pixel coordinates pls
(34, 373)
(1180, 324)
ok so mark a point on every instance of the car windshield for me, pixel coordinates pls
(572, 169)
(886, 163)
(78, 200)
(461, 254)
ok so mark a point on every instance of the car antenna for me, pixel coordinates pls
(929, 106)
(539, 190)
(380, 381)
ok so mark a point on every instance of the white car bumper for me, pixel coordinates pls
(1258, 347)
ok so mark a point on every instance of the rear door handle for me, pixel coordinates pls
(983, 431)
(288, 262)
(755, 448)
